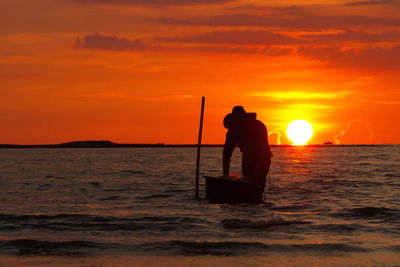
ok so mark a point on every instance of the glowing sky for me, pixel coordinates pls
(135, 70)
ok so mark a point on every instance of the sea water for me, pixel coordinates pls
(331, 201)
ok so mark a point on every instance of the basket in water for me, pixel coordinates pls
(220, 190)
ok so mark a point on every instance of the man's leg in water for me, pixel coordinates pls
(252, 169)
(261, 171)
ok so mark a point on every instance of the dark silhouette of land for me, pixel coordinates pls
(109, 144)
(95, 144)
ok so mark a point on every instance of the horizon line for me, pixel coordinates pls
(110, 144)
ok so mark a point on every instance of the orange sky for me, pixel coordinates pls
(135, 70)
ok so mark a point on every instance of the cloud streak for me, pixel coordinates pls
(265, 51)
(278, 135)
(154, 2)
(235, 42)
(354, 36)
(371, 3)
(104, 42)
(359, 128)
(372, 57)
(237, 37)
(280, 96)
(115, 43)
(304, 21)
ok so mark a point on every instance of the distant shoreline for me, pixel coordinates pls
(109, 144)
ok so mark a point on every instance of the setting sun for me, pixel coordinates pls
(299, 132)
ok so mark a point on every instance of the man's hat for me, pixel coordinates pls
(238, 114)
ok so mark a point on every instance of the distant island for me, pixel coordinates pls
(88, 144)
(109, 144)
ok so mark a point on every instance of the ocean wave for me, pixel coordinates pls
(392, 175)
(306, 226)
(175, 191)
(172, 247)
(57, 248)
(394, 248)
(84, 222)
(80, 217)
(55, 177)
(259, 225)
(335, 229)
(290, 208)
(381, 213)
(154, 196)
(115, 190)
(113, 198)
(133, 172)
(177, 247)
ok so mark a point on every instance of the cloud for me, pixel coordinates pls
(305, 21)
(14, 76)
(103, 42)
(155, 2)
(371, 57)
(371, 2)
(274, 137)
(237, 37)
(384, 102)
(115, 43)
(359, 82)
(280, 96)
(356, 36)
(356, 132)
(278, 10)
(266, 51)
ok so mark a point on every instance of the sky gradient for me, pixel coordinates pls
(134, 71)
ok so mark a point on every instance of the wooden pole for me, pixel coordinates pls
(203, 100)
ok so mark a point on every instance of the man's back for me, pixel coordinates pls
(253, 137)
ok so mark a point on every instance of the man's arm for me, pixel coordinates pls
(229, 146)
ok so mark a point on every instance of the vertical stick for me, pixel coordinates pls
(203, 100)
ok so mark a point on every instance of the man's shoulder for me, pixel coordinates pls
(260, 123)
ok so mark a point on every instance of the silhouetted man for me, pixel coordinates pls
(251, 136)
